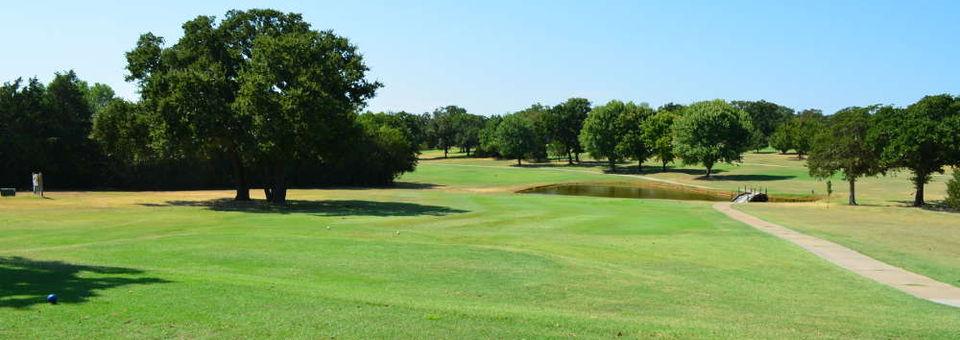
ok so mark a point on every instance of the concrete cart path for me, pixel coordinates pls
(909, 282)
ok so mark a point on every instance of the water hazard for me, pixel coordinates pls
(627, 191)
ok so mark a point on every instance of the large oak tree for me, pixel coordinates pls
(924, 138)
(260, 86)
(191, 87)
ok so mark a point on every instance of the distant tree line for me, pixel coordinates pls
(707, 133)
(855, 142)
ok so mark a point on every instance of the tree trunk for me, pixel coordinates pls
(569, 157)
(445, 152)
(577, 155)
(519, 163)
(709, 171)
(664, 167)
(918, 197)
(276, 187)
(243, 188)
(613, 164)
(639, 167)
(853, 192)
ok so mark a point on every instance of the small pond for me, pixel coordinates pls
(627, 191)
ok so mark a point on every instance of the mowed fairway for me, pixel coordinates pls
(450, 253)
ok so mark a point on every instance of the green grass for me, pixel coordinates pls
(457, 255)
(924, 241)
(780, 174)
(927, 242)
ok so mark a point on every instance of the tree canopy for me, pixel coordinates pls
(566, 120)
(516, 137)
(444, 127)
(924, 138)
(631, 143)
(601, 132)
(709, 132)
(657, 134)
(260, 86)
(765, 116)
(803, 129)
(300, 94)
(843, 147)
(192, 86)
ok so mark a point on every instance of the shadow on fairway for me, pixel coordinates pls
(395, 185)
(930, 205)
(750, 177)
(563, 164)
(320, 208)
(25, 282)
(441, 157)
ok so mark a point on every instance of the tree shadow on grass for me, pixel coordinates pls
(751, 177)
(25, 282)
(453, 156)
(319, 208)
(395, 185)
(930, 205)
(563, 164)
(687, 171)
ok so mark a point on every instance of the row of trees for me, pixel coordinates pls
(855, 142)
(858, 142)
(705, 133)
(259, 91)
(46, 127)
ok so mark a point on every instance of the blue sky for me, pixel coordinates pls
(494, 57)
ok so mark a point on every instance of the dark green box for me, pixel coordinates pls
(8, 192)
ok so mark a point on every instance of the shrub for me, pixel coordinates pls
(953, 190)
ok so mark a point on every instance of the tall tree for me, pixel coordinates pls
(843, 147)
(467, 127)
(300, 91)
(488, 137)
(924, 138)
(24, 135)
(566, 120)
(709, 132)
(631, 143)
(412, 126)
(192, 86)
(98, 96)
(601, 132)
(444, 127)
(782, 137)
(123, 132)
(67, 123)
(657, 134)
(516, 137)
(538, 116)
(804, 129)
(765, 116)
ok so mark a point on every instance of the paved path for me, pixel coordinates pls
(909, 282)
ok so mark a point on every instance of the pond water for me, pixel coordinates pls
(624, 191)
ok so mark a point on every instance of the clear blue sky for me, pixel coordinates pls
(498, 56)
